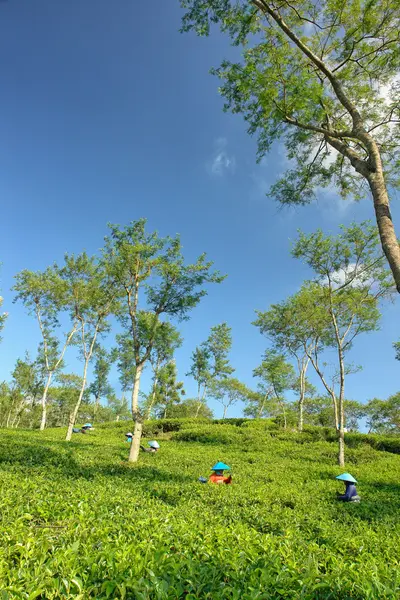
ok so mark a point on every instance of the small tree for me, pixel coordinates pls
(228, 391)
(321, 77)
(166, 341)
(100, 386)
(119, 407)
(259, 403)
(188, 409)
(383, 416)
(92, 302)
(210, 361)
(283, 325)
(45, 295)
(64, 397)
(276, 377)
(140, 262)
(169, 391)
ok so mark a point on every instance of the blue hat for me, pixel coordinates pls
(346, 477)
(220, 466)
(154, 444)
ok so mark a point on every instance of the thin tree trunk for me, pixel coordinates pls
(88, 356)
(44, 401)
(341, 447)
(260, 410)
(96, 406)
(74, 414)
(137, 417)
(331, 392)
(224, 413)
(200, 400)
(284, 415)
(302, 368)
(55, 367)
(153, 396)
(117, 418)
(341, 410)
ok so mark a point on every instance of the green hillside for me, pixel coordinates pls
(78, 521)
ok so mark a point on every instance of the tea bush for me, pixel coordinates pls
(78, 522)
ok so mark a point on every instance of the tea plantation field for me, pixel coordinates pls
(77, 521)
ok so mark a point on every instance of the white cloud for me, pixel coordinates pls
(353, 273)
(221, 162)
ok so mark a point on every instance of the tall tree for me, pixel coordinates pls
(276, 376)
(142, 263)
(45, 295)
(321, 77)
(100, 386)
(343, 301)
(169, 391)
(210, 361)
(228, 391)
(92, 302)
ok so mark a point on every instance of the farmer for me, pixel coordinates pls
(129, 436)
(350, 494)
(217, 475)
(154, 447)
(87, 426)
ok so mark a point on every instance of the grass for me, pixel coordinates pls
(77, 521)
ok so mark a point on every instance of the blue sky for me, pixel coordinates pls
(109, 114)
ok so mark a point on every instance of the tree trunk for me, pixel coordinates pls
(341, 410)
(153, 397)
(74, 414)
(284, 415)
(135, 444)
(341, 447)
(200, 400)
(117, 418)
(44, 402)
(260, 410)
(302, 396)
(137, 418)
(96, 406)
(224, 414)
(384, 220)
